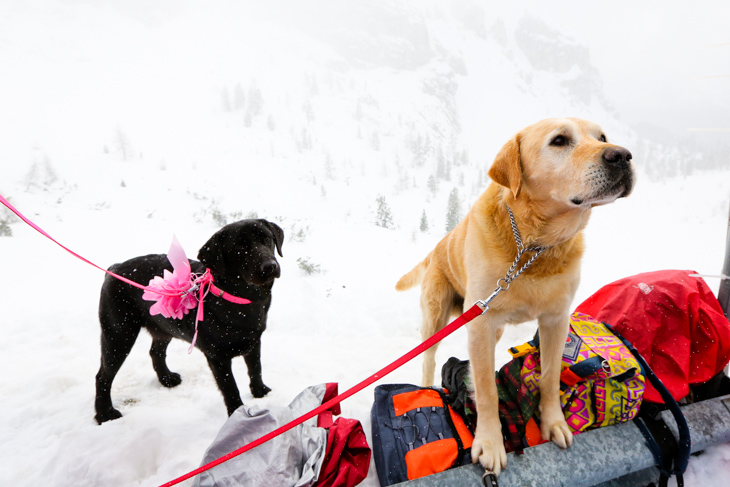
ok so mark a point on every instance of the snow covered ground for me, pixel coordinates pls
(340, 325)
(124, 124)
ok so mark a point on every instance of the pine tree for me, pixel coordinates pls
(226, 99)
(432, 184)
(239, 97)
(427, 146)
(453, 213)
(329, 168)
(375, 141)
(311, 83)
(255, 100)
(440, 164)
(418, 150)
(122, 144)
(5, 230)
(6, 218)
(383, 216)
(424, 222)
(306, 139)
(308, 111)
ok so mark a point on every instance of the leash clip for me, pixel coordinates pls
(513, 273)
(194, 287)
(484, 304)
(489, 479)
(198, 280)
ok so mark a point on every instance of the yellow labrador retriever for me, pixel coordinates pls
(550, 174)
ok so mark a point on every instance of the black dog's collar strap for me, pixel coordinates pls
(216, 291)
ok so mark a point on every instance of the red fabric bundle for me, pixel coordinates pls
(673, 320)
(347, 457)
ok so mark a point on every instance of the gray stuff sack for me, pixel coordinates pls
(292, 459)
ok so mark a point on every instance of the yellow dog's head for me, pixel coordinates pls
(566, 161)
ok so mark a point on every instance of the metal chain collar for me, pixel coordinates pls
(513, 272)
(521, 249)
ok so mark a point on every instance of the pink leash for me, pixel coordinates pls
(201, 283)
(479, 308)
(40, 230)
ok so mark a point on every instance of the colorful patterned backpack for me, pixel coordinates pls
(602, 383)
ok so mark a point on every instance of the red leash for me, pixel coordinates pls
(479, 308)
(465, 318)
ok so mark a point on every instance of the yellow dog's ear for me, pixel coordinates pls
(507, 167)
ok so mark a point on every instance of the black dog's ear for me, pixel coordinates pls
(211, 254)
(278, 235)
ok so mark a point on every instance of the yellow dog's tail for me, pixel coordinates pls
(415, 276)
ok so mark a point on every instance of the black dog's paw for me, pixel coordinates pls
(260, 390)
(109, 415)
(171, 380)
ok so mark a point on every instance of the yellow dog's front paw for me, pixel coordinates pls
(557, 431)
(490, 453)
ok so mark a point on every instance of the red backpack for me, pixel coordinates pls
(675, 322)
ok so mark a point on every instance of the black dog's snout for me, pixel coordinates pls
(270, 269)
(617, 156)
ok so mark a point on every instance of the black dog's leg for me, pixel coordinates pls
(226, 383)
(158, 352)
(253, 363)
(116, 343)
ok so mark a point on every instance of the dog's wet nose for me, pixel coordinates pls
(270, 268)
(617, 156)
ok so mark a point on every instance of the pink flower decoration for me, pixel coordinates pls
(172, 292)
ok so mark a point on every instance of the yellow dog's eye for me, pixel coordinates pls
(602, 138)
(559, 141)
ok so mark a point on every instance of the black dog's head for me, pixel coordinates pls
(244, 250)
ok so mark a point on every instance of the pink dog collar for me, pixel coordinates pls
(181, 290)
(216, 291)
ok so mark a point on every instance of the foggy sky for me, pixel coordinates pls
(663, 63)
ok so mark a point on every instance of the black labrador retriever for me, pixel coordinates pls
(241, 259)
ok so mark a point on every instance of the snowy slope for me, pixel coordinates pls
(124, 124)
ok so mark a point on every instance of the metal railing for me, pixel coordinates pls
(612, 456)
(723, 294)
